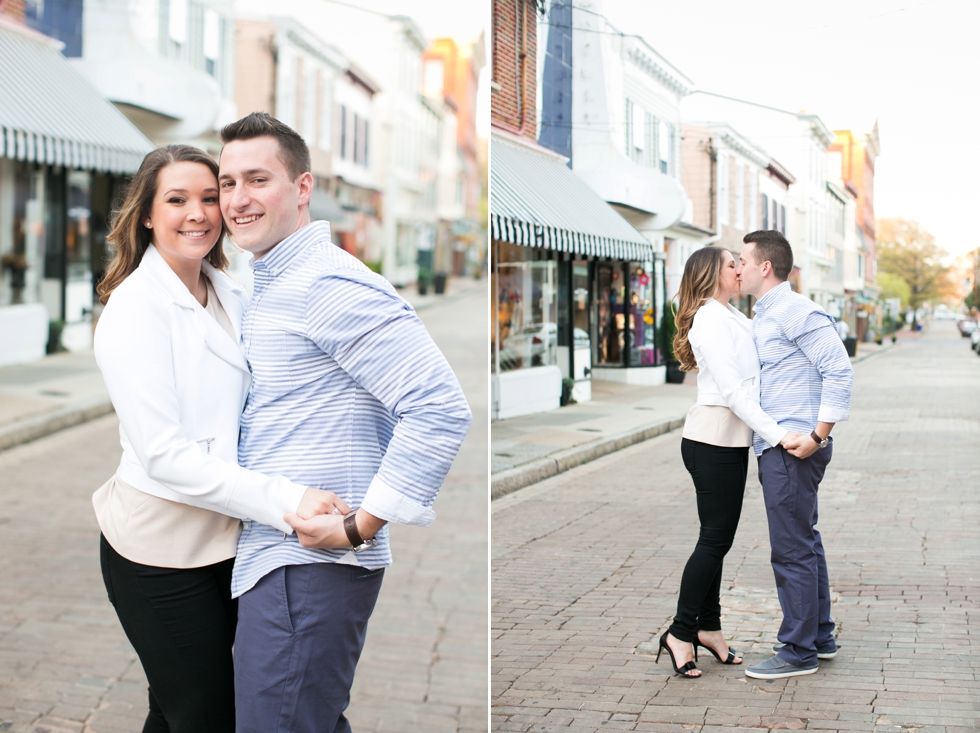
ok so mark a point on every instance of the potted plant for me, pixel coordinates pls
(439, 283)
(567, 385)
(16, 262)
(423, 281)
(669, 329)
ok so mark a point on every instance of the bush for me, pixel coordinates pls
(55, 329)
(668, 329)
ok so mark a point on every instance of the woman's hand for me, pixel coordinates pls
(319, 501)
(325, 531)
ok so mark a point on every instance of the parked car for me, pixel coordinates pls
(966, 327)
(533, 345)
(975, 340)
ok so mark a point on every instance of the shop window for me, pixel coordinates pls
(525, 312)
(610, 323)
(643, 315)
(20, 261)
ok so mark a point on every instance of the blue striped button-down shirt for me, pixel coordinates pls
(349, 393)
(806, 376)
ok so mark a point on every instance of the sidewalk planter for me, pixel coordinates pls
(674, 373)
(439, 283)
(525, 391)
(851, 346)
(25, 333)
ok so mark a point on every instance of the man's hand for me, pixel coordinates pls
(789, 438)
(325, 531)
(318, 501)
(802, 447)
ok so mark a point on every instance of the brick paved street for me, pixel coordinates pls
(586, 567)
(66, 667)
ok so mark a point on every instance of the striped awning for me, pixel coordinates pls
(49, 112)
(536, 201)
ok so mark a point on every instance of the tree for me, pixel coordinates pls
(911, 253)
(892, 286)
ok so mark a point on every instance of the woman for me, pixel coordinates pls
(717, 339)
(167, 345)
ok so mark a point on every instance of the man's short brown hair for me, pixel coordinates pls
(772, 247)
(293, 152)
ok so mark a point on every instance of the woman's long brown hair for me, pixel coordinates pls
(129, 238)
(699, 283)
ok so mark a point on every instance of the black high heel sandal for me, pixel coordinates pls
(683, 671)
(731, 652)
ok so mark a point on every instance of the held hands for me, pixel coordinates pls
(800, 445)
(318, 501)
(326, 531)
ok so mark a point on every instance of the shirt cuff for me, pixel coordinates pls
(775, 436)
(386, 503)
(833, 414)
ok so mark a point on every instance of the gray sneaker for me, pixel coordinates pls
(827, 652)
(774, 668)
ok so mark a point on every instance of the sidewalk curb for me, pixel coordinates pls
(509, 481)
(884, 347)
(24, 431)
(450, 297)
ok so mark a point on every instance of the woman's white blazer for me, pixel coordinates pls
(728, 366)
(178, 383)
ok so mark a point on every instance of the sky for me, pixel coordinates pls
(909, 64)
(463, 20)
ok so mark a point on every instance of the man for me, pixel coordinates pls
(806, 382)
(348, 392)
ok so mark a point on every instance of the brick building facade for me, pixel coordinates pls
(513, 81)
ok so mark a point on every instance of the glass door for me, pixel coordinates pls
(609, 330)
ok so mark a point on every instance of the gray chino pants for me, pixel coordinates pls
(789, 486)
(300, 633)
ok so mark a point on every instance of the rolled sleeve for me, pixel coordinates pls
(826, 352)
(387, 503)
(387, 351)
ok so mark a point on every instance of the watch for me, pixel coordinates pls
(350, 527)
(821, 442)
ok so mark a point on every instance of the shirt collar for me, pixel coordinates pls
(280, 257)
(771, 297)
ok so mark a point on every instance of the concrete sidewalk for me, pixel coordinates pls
(45, 396)
(531, 448)
(66, 389)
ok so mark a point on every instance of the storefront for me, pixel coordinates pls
(65, 154)
(577, 292)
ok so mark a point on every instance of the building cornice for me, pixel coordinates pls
(655, 66)
(743, 148)
(819, 129)
(776, 170)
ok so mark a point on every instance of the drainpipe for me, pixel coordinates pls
(713, 193)
(520, 46)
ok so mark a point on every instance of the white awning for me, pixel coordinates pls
(536, 201)
(49, 113)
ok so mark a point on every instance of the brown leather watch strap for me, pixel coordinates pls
(817, 438)
(350, 527)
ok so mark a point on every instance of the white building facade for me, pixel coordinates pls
(611, 106)
(799, 141)
(178, 57)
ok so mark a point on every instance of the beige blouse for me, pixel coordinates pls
(152, 531)
(716, 425)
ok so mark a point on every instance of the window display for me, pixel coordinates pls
(524, 309)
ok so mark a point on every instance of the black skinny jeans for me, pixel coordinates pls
(719, 480)
(181, 621)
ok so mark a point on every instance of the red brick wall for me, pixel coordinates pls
(505, 50)
(13, 10)
(696, 172)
